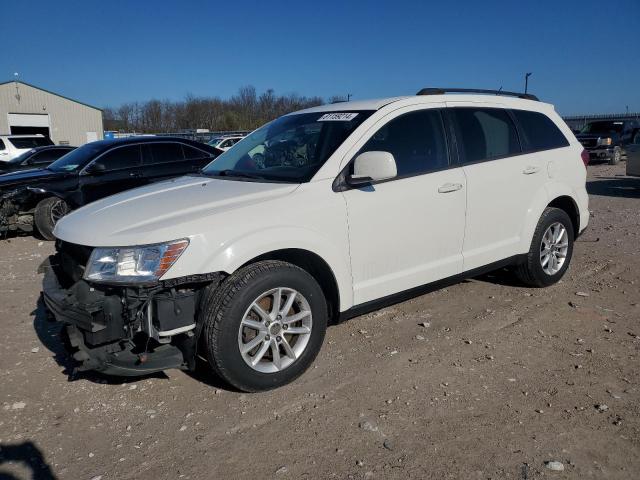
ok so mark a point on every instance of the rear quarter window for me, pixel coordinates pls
(538, 132)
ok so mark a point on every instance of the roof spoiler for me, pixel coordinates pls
(442, 91)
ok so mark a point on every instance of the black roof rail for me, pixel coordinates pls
(442, 91)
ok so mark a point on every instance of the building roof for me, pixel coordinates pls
(50, 92)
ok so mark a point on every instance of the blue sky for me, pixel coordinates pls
(584, 55)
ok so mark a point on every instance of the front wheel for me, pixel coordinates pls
(264, 325)
(616, 156)
(551, 250)
(47, 214)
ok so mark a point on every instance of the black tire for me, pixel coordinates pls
(616, 157)
(224, 307)
(47, 213)
(531, 271)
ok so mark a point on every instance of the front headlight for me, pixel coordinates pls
(604, 141)
(133, 264)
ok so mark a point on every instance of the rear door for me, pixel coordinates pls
(122, 172)
(163, 160)
(501, 181)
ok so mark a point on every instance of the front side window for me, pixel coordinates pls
(290, 149)
(485, 133)
(416, 140)
(538, 132)
(123, 157)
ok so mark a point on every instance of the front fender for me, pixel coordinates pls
(204, 257)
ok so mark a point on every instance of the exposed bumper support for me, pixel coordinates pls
(112, 333)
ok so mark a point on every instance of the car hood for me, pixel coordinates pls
(27, 177)
(169, 210)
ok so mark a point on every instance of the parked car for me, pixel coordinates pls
(224, 143)
(633, 158)
(39, 198)
(39, 157)
(608, 139)
(352, 206)
(12, 146)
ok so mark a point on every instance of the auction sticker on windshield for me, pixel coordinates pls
(337, 117)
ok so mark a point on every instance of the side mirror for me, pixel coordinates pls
(96, 168)
(372, 167)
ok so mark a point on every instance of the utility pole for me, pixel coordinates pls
(349, 95)
(526, 81)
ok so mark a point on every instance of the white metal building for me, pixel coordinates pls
(26, 109)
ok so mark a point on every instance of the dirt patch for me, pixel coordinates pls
(484, 379)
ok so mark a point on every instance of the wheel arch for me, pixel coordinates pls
(316, 266)
(570, 207)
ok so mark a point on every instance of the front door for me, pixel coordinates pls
(408, 231)
(122, 171)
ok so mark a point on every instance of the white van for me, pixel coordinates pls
(351, 206)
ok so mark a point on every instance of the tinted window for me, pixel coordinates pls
(191, 152)
(47, 156)
(416, 141)
(30, 142)
(123, 157)
(2, 147)
(485, 133)
(163, 153)
(538, 132)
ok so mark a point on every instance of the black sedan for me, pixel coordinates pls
(39, 157)
(39, 198)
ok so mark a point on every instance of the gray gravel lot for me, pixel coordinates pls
(484, 379)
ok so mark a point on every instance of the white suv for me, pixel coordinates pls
(12, 146)
(350, 206)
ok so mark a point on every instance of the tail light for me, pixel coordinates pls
(585, 157)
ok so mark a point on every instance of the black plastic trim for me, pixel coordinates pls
(392, 299)
(504, 93)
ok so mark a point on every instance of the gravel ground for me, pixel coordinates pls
(484, 379)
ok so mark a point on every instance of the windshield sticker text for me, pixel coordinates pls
(337, 117)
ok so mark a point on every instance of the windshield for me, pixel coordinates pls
(289, 149)
(603, 127)
(76, 159)
(214, 142)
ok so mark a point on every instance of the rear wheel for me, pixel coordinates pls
(264, 325)
(47, 214)
(551, 250)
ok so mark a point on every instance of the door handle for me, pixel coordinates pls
(531, 170)
(449, 187)
(135, 175)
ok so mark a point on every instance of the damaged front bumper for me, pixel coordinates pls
(125, 331)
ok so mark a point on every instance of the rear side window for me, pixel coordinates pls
(485, 133)
(47, 156)
(191, 152)
(416, 141)
(538, 132)
(30, 142)
(163, 153)
(123, 157)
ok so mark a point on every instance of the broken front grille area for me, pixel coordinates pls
(71, 262)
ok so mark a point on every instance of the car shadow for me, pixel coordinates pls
(26, 454)
(52, 336)
(621, 187)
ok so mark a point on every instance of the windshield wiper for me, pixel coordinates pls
(236, 173)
